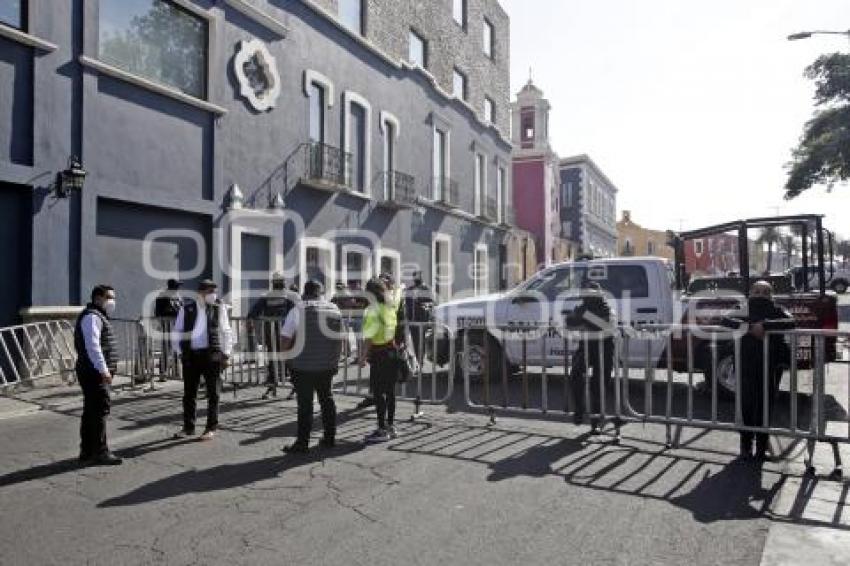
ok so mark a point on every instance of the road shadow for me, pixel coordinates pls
(225, 476)
(41, 472)
(713, 485)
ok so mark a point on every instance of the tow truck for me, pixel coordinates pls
(644, 292)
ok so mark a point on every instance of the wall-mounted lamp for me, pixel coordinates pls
(70, 179)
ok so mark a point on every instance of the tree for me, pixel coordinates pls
(769, 236)
(790, 247)
(823, 154)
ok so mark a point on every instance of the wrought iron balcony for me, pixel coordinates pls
(326, 167)
(395, 189)
(446, 192)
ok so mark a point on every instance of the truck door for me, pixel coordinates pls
(534, 307)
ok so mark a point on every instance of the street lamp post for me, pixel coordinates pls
(808, 34)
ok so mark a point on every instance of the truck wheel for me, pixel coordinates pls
(472, 362)
(839, 286)
(725, 375)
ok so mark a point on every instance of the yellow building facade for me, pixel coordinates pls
(635, 240)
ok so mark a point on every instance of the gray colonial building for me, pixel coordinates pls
(588, 206)
(228, 139)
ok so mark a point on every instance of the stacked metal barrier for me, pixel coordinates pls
(29, 352)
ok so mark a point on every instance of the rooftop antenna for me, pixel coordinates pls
(530, 76)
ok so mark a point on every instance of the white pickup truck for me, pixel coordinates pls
(641, 291)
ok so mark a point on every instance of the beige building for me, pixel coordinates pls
(633, 239)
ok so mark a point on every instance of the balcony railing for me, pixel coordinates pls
(326, 167)
(395, 189)
(446, 191)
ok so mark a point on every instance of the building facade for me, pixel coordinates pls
(635, 240)
(588, 206)
(535, 170)
(228, 139)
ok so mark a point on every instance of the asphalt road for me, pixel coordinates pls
(452, 489)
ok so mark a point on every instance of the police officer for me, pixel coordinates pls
(312, 333)
(168, 303)
(595, 320)
(273, 307)
(97, 362)
(418, 305)
(203, 338)
(763, 315)
(165, 310)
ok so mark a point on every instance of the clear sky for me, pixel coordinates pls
(691, 108)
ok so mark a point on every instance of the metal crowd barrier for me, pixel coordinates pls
(639, 354)
(29, 352)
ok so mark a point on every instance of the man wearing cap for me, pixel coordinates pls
(312, 339)
(165, 310)
(204, 340)
(270, 310)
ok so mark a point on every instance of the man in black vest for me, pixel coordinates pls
(312, 335)
(268, 313)
(203, 338)
(97, 362)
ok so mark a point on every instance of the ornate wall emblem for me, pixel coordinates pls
(256, 72)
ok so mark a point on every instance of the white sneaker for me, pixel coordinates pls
(378, 436)
(207, 436)
(182, 433)
(392, 432)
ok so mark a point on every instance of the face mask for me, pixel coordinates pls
(109, 307)
(210, 299)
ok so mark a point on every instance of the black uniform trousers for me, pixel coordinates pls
(306, 384)
(753, 394)
(581, 362)
(96, 407)
(383, 374)
(197, 364)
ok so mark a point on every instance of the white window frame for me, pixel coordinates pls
(389, 165)
(367, 270)
(479, 176)
(350, 97)
(441, 238)
(392, 254)
(699, 247)
(489, 47)
(361, 26)
(316, 78)
(501, 190)
(412, 32)
(464, 94)
(481, 282)
(321, 244)
(464, 12)
(447, 165)
(491, 118)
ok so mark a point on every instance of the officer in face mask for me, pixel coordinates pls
(203, 338)
(97, 362)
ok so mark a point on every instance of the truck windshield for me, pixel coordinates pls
(618, 280)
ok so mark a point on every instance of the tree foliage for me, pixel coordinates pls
(823, 154)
